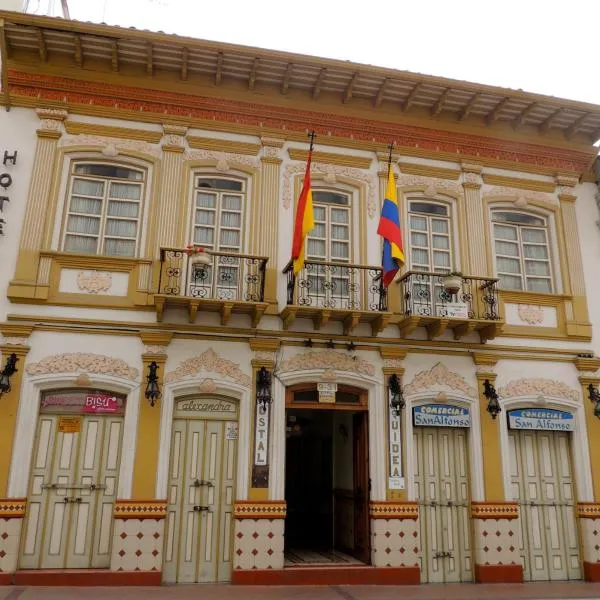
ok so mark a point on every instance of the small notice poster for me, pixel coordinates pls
(231, 431)
(69, 424)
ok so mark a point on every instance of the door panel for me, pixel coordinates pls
(542, 483)
(441, 478)
(361, 549)
(201, 494)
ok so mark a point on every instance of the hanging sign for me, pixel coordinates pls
(441, 415)
(395, 478)
(327, 392)
(546, 419)
(69, 424)
(261, 438)
(6, 181)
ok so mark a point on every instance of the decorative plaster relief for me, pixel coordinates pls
(209, 360)
(94, 281)
(518, 193)
(533, 315)
(14, 341)
(109, 143)
(393, 363)
(472, 178)
(530, 315)
(538, 386)
(485, 369)
(331, 173)
(432, 185)
(208, 386)
(263, 355)
(155, 349)
(315, 359)
(439, 375)
(223, 159)
(82, 363)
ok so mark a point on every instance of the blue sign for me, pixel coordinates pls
(441, 415)
(545, 419)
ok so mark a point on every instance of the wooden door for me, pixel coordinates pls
(198, 546)
(362, 549)
(441, 481)
(72, 493)
(542, 483)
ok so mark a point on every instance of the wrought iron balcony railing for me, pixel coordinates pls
(336, 286)
(423, 295)
(225, 277)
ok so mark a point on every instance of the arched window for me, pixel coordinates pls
(522, 251)
(430, 236)
(104, 208)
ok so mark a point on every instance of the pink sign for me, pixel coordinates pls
(100, 403)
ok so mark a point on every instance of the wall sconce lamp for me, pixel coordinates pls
(397, 401)
(10, 368)
(489, 391)
(594, 396)
(263, 388)
(152, 390)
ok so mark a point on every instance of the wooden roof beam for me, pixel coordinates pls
(114, 59)
(149, 63)
(286, 78)
(466, 111)
(42, 44)
(350, 88)
(545, 125)
(78, 51)
(184, 63)
(520, 120)
(381, 92)
(4, 61)
(576, 125)
(439, 105)
(252, 78)
(317, 89)
(495, 114)
(219, 73)
(411, 98)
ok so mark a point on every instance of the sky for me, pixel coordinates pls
(543, 46)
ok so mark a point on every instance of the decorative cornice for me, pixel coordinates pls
(111, 146)
(264, 345)
(219, 145)
(587, 364)
(51, 114)
(210, 361)
(327, 359)
(431, 187)
(156, 338)
(15, 330)
(12, 508)
(588, 510)
(260, 510)
(439, 376)
(519, 183)
(538, 387)
(428, 171)
(80, 362)
(140, 509)
(126, 133)
(343, 160)
(393, 510)
(494, 510)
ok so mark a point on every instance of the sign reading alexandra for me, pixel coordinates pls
(546, 419)
(210, 408)
(441, 415)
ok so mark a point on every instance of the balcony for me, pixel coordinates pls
(425, 303)
(228, 284)
(327, 291)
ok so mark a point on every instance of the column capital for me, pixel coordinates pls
(155, 342)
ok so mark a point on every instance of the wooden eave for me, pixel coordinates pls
(148, 53)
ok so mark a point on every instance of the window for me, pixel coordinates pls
(430, 237)
(104, 208)
(522, 251)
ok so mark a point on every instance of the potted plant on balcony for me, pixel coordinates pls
(197, 254)
(452, 282)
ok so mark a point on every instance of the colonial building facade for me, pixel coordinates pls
(178, 406)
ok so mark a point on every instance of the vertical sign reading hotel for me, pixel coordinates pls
(260, 470)
(396, 480)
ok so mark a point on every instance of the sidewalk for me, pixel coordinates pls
(529, 591)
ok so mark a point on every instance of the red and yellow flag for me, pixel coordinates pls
(305, 220)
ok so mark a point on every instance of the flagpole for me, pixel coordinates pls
(390, 148)
(312, 135)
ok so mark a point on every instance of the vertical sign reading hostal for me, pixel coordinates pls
(260, 471)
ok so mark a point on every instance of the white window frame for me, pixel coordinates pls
(553, 254)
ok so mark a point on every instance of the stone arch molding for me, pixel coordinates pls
(536, 387)
(208, 361)
(83, 363)
(439, 379)
(328, 362)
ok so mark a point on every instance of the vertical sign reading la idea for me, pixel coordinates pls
(396, 480)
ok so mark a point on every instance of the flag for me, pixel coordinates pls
(305, 220)
(389, 229)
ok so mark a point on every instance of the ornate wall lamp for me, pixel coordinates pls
(489, 391)
(594, 396)
(397, 401)
(263, 388)
(10, 368)
(152, 389)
